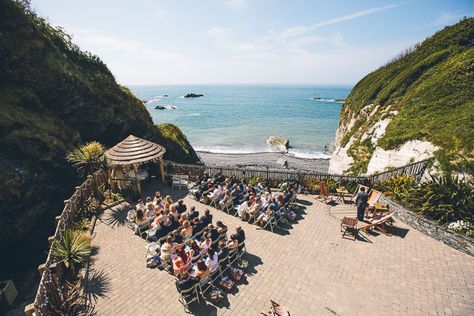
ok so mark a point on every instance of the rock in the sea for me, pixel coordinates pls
(160, 107)
(316, 98)
(193, 95)
(330, 147)
(340, 100)
(279, 142)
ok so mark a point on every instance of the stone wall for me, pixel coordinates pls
(430, 228)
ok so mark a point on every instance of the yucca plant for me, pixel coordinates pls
(73, 249)
(399, 186)
(89, 158)
(444, 198)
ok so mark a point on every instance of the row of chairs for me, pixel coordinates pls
(273, 222)
(207, 283)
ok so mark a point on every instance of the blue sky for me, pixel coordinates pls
(248, 41)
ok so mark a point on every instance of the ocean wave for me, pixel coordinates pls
(327, 100)
(308, 154)
(292, 152)
(152, 100)
(195, 114)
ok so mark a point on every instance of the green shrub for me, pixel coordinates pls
(445, 199)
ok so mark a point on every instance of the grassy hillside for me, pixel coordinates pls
(431, 86)
(52, 97)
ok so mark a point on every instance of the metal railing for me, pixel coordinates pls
(415, 169)
(74, 204)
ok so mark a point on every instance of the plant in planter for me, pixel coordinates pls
(72, 250)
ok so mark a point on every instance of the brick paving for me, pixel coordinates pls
(307, 268)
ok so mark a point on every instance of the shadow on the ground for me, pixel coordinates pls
(117, 216)
(96, 285)
(399, 232)
(304, 202)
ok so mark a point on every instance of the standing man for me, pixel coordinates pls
(361, 202)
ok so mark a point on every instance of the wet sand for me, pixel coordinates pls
(270, 159)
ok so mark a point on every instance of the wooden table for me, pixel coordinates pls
(340, 192)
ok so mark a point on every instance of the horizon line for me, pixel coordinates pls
(241, 83)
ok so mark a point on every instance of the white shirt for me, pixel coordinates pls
(213, 262)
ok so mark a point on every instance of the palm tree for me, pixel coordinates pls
(87, 158)
(72, 250)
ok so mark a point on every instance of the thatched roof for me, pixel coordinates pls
(134, 150)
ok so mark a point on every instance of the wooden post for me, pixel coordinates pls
(162, 170)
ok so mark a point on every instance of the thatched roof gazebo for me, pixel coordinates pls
(134, 151)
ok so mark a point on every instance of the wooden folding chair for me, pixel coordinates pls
(380, 224)
(277, 310)
(188, 296)
(323, 193)
(349, 227)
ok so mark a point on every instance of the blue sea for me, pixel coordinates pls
(239, 118)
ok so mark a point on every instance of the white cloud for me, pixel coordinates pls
(301, 29)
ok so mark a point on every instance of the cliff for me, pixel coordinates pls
(53, 97)
(419, 105)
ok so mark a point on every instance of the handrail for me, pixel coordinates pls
(71, 206)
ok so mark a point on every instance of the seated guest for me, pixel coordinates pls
(181, 207)
(202, 270)
(140, 216)
(265, 216)
(240, 234)
(219, 178)
(168, 203)
(213, 232)
(223, 250)
(182, 253)
(197, 225)
(185, 282)
(225, 200)
(174, 212)
(286, 197)
(179, 264)
(157, 198)
(212, 261)
(167, 249)
(182, 218)
(205, 244)
(187, 231)
(204, 177)
(206, 219)
(140, 205)
(150, 210)
(221, 228)
(158, 219)
(177, 238)
(233, 243)
(194, 250)
(245, 207)
(193, 213)
(255, 208)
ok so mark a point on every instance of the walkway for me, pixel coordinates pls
(308, 268)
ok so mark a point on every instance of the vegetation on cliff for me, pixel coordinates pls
(426, 92)
(54, 97)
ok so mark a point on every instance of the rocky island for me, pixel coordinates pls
(193, 95)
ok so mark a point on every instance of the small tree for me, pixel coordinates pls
(88, 158)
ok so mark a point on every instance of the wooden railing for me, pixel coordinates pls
(65, 221)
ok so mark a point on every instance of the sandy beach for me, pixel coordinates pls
(270, 159)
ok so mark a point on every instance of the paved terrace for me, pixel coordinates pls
(307, 268)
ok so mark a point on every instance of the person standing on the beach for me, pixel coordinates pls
(361, 202)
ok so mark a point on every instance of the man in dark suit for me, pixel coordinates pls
(361, 202)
